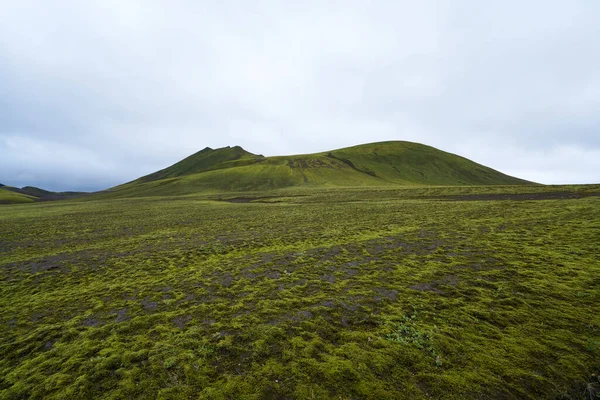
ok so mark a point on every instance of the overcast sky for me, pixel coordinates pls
(96, 93)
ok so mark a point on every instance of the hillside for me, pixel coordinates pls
(375, 164)
(413, 163)
(205, 160)
(10, 197)
(29, 194)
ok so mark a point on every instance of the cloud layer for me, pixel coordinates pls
(93, 94)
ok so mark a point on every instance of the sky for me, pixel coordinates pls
(97, 93)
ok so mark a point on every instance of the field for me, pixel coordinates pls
(373, 293)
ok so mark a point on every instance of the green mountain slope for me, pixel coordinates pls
(410, 163)
(9, 197)
(29, 194)
(205, 160)
(375, 164)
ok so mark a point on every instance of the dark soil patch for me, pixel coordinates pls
(181, 321)
(250, 200)
(122, 315)
(148, 305)
(59, 262)
(48, 263)
(190, 297)
(327, 303)
(426, 287)
(434, 286)
(273, 275)
(91, 321)
(225, 280)
(303, 315)
(382, 293)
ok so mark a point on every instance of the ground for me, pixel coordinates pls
(391, 293)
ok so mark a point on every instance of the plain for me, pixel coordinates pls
(399, 293)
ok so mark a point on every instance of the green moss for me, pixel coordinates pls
(10, 197)
(370, 165)
(399, 293)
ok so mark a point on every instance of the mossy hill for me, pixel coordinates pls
(7, 196)
(205, 160)
(375, 164)
(30, 194)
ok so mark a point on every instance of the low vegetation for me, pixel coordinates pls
(368, 165)
(485, 292)
(30, 194)
(9, 197)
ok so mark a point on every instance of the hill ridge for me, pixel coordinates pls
(29, 194)
(204, 160)
(233, 168)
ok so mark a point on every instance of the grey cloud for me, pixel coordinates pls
(120, 89)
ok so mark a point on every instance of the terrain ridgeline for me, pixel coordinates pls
(375, 164)
(30, 194)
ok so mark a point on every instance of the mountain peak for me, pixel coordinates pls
(207, 159)
(372, 164)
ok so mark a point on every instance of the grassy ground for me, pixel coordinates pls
(405, 293)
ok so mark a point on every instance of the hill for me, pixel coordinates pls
(375, 164)
(205, 160)
(412, 163)
(8, 196)
(29, 194)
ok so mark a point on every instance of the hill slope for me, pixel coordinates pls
(29, 194)
(8, 196)
(375, 164)
(410, 163)
(205, 160)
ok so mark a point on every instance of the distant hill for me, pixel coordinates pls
(30, 194)
(10, 197)
(374, 164)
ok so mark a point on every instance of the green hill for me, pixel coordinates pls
(34, 191)
(7, 196)
(413, 163)
(375, 164)
(205, 160)
(29, 194)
